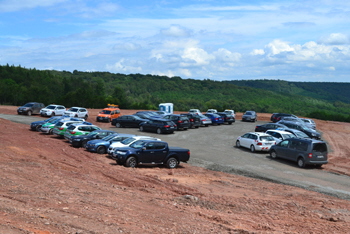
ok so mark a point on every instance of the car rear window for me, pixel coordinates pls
(266, 138)
(71, 127)
(319, 147)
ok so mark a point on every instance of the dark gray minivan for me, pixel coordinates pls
(303, 151)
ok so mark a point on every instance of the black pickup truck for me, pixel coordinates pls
(152, 153)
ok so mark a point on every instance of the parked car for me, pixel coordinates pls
(79, 129)
(255, 141)
(158, 125)
(280, 135)
(52, 110)
(205, 120)
(212, 111)
(215, 118)
(228, 118)
(309, 123)
(230, 112)
(80, 141)
(303, 151)
(127, 142)
(194, 111)
(250, 116)
(108, 113)
(36, 125)
(308, 131)
(292, 119)
(128, 121)
(268, 126)
(145, 115)
(30, 108)
(78, 112)
(275, 117)
(195, 120)
(182, 122)
(48, 126)
(100, 146)
(60, 127)
(151, 153)
(295, 132)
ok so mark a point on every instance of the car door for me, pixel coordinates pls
(82, 112)
(282, 148)
(153, 152)
(245, 140)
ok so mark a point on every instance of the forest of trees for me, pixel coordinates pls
(136, 91)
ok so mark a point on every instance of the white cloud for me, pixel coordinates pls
(335, 39)
(18, 5)
(196, 57)
(176, 31)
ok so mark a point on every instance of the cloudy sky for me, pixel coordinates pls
(306, 40)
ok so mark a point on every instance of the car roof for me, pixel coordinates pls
(259, 133)
(279, 131)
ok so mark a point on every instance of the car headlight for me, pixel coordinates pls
(121, 152)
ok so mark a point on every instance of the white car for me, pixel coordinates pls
(127, 142)
(256, 141)
(52, 110)
(79, 112)
(309, 122)
(213, 111)
(230, 112)
(194, 111)
(279, 135)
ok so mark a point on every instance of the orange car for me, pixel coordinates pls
(108, 113)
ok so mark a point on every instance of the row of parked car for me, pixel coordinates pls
(288, 137)
(126, 149)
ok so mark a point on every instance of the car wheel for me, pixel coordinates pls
(207, 125)
(238, 144)
(141, 129)
(118, 125)
(101, 150)
(38, 128)
(108, 120)
(230, 123)
(53, 114)
(252, 148)
(131, 162)
(86, 117)
(83, 144)
(29, 113)
(50, 131)
(172, 163)
(301, 162)
(273, 154)
(159, 131)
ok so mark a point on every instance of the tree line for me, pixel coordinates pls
(19, 85)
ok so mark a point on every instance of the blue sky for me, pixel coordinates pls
(305, 40)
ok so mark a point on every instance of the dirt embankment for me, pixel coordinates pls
(49, 187)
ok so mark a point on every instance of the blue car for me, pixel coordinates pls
(36, 125)
(215, 118)
(100, 146)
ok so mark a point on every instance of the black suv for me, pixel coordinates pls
(195, 120)
(158, 125)
(275, 117)
(228, 118)
(303, 151)
(308, 131)
(81, 140)
(30, 108)
(182, 122)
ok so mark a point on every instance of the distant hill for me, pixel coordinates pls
(329, 91)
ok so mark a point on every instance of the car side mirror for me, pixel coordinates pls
(143, 148)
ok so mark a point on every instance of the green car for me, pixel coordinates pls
(48, 126)
(61, 127)
(79, 129)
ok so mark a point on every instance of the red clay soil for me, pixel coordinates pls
(49, 187)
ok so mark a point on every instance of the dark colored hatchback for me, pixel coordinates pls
(303, 151)
(268, 126)
(195, 120)
(158, 125)
(182, 122)
(229, 119)
(128, 121)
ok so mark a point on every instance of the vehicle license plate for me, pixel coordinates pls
(268, 143)
(320, 156)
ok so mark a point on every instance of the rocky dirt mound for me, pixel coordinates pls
(47, 186)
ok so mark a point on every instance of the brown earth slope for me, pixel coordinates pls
(49, 187)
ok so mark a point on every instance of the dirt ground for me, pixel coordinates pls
(49, 187)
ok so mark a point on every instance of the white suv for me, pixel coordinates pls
(212, 111)
(256, 141)
(194, 111)
(79, 112)
(52, 110)
(127, 142)
(230, 112)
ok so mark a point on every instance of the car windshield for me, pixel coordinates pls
(301, 135)
(248, 113)
(55, 120)
(50, 107)
(286, 136)
(28, 105)
(127, 141)
(93, 133)
(319, 147)
(138, 144)
(107, 112)
(266, 138)
(107, 138)
(73, 109)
